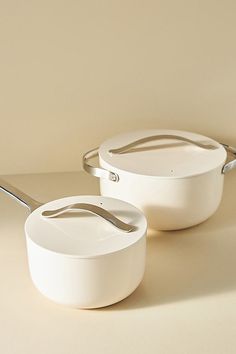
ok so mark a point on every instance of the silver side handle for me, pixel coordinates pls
(97, 171)
(231, 164)
(94, 209)
(20, 196)
(127, 148)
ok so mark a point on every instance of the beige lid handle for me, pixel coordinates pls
(138, 142)
(94, 209)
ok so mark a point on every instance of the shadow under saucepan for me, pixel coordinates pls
(189, 263)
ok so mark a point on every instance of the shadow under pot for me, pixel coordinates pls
(84, 251)
(175, 177)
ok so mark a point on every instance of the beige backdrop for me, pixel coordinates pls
(73, 73)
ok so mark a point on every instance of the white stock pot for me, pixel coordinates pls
(79, 259)
(175, 177)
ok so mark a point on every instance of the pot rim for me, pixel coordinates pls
(86, 256)
(119, 172)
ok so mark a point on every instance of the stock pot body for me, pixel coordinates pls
(177, 184)
(169, 204)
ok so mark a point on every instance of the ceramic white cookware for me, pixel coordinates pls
(84, 251)
(175, 177)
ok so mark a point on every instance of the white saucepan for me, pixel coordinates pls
(175, 177)
(80, 259)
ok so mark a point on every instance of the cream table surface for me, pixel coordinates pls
(185, 304)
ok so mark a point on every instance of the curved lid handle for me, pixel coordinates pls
(106, 215)
(126, 148)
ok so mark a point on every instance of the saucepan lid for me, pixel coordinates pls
(79, 232)
(162, 153)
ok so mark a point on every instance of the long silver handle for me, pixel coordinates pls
(231, 164)
(106, 215)
(97, 171)
(135, 143)
(18, 195)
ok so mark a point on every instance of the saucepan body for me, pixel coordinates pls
(82, 261)
(84, 251)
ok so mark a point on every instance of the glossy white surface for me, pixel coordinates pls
(186, 302)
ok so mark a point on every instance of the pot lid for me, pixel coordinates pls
(82, 234)
(161, 153)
